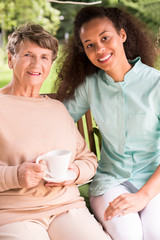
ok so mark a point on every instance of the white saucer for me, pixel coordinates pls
(70, 176)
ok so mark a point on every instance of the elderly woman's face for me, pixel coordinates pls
(31, 64)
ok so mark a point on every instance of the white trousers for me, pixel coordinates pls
(76, 224)
(144, 225)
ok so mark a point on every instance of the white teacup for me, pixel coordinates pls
(57, 163)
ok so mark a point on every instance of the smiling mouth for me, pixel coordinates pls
(34, 73)
(105, 58)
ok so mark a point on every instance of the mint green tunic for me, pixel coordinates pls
(128, 116)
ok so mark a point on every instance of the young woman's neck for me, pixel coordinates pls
(119, 72)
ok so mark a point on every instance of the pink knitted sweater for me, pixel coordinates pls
(28, 128)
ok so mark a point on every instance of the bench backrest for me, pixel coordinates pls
(85, 126)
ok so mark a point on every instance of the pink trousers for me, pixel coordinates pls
(76, 224)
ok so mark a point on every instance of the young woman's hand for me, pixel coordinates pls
(126, 203)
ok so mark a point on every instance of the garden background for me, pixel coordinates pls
(57, 17)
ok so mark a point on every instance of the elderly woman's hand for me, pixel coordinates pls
(30, 174)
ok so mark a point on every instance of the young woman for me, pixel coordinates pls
(109, 69)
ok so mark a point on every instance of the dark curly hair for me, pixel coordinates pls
(74, 65)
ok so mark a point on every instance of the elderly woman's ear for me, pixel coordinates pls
(10, 63)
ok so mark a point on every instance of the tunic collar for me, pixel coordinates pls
(128, 76)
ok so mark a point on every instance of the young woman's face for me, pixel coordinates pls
(102, 44)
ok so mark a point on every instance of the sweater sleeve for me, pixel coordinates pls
(85, 160)
(8, 179)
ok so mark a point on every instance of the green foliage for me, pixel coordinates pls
(7, 10)
(68, 12)
(146, 10)
(152, 14)
(84, 193)
(17, 12)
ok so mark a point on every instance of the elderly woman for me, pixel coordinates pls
(32, 124)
